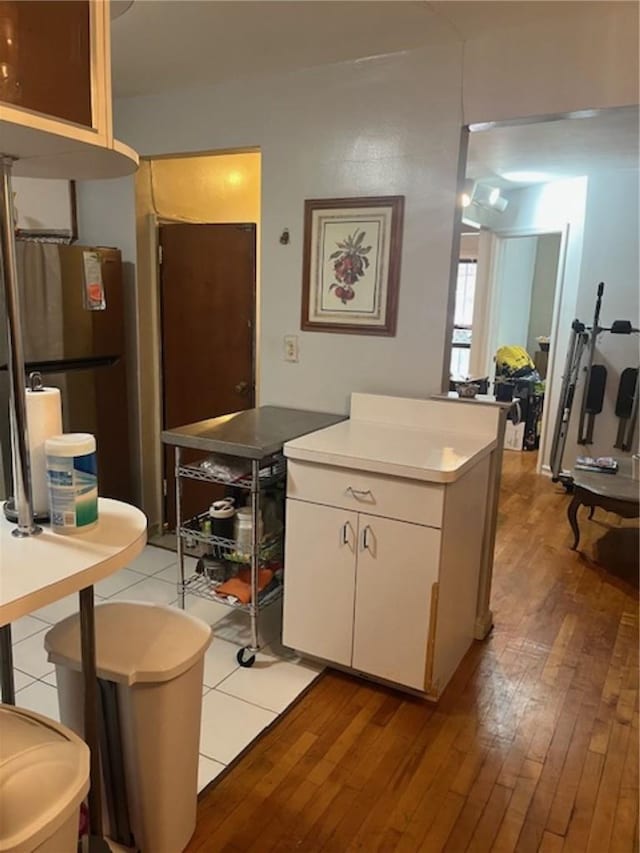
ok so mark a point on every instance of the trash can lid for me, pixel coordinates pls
(44, 775)
(136, 642)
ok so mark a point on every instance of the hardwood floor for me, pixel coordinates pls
(534, 745)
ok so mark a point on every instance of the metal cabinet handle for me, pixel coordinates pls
(365, 538)
(242, 387)
(359, 493)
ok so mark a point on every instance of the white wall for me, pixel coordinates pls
(387, 125)
(43, 205)
(557, 207)
(601, 213)
(359, 128)
(106, 217)
(515, 280)
(545, 274)
(610, 255)
(353, 129)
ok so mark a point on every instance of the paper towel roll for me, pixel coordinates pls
(44, 419)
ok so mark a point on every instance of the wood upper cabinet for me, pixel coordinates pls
(45, 57)
(55, 90)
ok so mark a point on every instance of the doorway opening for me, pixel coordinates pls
(548, 211)
(198, 273)
(208, 309)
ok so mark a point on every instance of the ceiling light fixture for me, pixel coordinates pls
(467, 192)
(483, 196)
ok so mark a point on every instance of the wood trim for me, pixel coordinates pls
(431, 642)
(105, 63)
(96, 47)
(47, 124)
(73, 204)
(395, 256)
(125, 150)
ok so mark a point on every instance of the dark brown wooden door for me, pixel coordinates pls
(207, 276)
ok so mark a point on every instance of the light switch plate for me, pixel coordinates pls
(291, 352)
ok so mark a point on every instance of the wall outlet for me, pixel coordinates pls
(291, 352)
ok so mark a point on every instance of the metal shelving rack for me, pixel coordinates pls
(261, 475)
(251, 441)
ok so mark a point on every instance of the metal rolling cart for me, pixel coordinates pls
(251, 442)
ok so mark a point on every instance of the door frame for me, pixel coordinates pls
(159, 361)
(148, 381)
(488, 311)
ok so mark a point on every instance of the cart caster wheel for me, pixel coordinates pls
(246, 658)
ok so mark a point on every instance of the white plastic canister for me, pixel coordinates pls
(73, 482)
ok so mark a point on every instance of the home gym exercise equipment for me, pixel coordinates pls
(593, 394)
(626, 407)
(593, 402)
(584, 338)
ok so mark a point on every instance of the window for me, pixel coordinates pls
(462, 319)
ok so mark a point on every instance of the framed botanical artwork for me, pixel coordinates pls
(351, 264)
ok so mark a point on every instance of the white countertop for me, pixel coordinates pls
(438, 456)
(38, 570)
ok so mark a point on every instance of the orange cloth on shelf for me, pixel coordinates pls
(240, 586)
(237, 588)
(265, 577)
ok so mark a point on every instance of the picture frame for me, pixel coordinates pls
(351, 265)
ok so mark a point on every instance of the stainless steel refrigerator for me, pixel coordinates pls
(74, 334)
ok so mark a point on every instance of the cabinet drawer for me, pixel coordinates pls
(376, 494)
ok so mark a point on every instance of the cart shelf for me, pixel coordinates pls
(204, 587)
(271, 544)
(272, 471)
(244, 452)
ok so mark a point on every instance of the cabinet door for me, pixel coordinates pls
(46, 57)
(397, 566)
(319, 580)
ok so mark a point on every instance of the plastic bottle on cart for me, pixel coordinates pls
(205, 529)
(244, 529)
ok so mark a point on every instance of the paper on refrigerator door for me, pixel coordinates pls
(93, 291)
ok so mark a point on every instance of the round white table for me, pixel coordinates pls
(38, 570)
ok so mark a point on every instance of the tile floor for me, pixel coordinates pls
(237, 703)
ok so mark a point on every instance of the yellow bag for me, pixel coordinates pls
(512, 360)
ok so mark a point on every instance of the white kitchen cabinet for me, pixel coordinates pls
(383, 548)
(397, 566)
(322, 541)
(361, 592)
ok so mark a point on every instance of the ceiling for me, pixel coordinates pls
(162, 45)
(559, 149)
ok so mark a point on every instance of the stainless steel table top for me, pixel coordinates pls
(251, 434)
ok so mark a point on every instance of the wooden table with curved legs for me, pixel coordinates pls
(618, 493)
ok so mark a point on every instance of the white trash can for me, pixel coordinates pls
(150, 662)
(44, 776)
